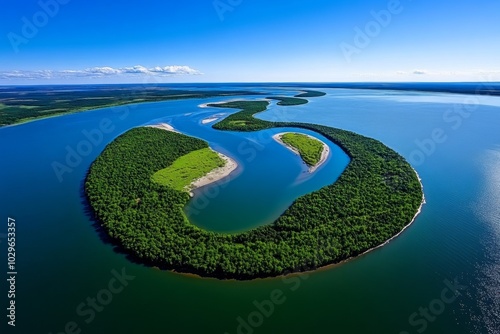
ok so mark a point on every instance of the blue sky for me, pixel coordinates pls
(76, 41)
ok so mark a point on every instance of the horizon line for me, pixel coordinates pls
(250, 82)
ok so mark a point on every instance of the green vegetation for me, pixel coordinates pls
(311, 93)
(297, 99)
(374, 199)
(309, 148)
(21, 105)
(188, 168)
(243, 120)
(288, 101)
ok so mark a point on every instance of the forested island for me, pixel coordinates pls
(308, 148)
(297, 99)
(373, 200)
(312, 151)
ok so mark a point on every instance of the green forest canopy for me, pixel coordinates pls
(374, 199)
(310, 149)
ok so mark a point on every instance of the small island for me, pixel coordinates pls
(310, 93)
(312, 151)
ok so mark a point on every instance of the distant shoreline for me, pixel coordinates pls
(479, 89)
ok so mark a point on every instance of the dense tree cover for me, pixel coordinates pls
(288, 101)
(311, 93)
(23, 104)
(188, 168)
(375, 198)
(310, 149)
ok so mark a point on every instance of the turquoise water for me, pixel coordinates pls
(268, 179)
(62, 260)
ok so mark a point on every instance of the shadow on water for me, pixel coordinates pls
(103, 234)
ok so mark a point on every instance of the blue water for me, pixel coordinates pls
(62, 260)
(268, 179)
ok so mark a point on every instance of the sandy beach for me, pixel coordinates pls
(205, 105)
(209, 120)
(213, 118)
(324, 155)
(163, 126)
(216, 174)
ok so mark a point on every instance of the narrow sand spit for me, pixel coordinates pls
(209, 120)
(213, 118)
(205, 105)
(324, 155)
(163, 126)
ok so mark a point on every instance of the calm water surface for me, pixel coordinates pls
(62, 261)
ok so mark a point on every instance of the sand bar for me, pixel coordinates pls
(205, 105)
(209, 120)
(163, 126)
(213, 118)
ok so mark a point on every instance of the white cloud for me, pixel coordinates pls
(99, 72)
(174, 70)
(136, 69)
(419, 72)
